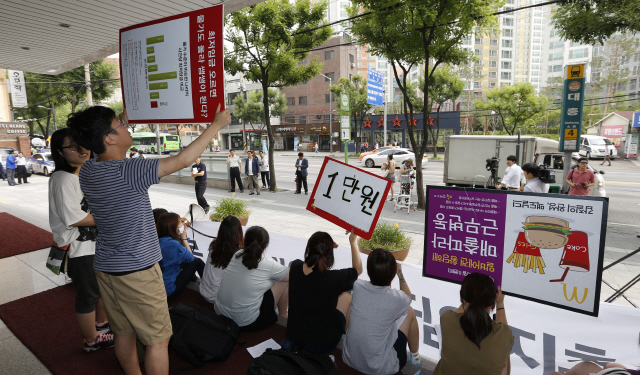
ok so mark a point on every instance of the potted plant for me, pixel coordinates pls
(230, 207)
(389, 237)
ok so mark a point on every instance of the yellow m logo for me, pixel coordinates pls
(575, 294)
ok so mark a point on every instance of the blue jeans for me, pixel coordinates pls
(10, 174)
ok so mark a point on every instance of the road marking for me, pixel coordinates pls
(622, 182)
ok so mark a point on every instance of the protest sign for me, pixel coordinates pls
(349, 197)
(546, 339)
(542, 247)
(172, 70)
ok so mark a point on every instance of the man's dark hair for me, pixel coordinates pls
(133, 149)
(531, 168)
(512, 158)
(381, 267)
(89, 127)
(583, 158)
(300, 154)
(232, 150)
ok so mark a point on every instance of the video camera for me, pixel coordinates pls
(493, 164)
(546, 174)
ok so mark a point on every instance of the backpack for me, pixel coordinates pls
(282, 362)
(201, 335)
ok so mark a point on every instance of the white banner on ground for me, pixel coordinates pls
(547, 339)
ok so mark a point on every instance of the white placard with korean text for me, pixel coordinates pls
(18, 89)
(349, 197)
(546, 339)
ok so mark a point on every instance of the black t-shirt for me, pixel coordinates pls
(312, 303)
(201, 168)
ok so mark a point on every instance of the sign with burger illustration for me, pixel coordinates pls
(547, 248)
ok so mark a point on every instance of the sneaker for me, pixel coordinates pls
(258, 192)
(232, 191)
(104, 340)
(103, 328)
(413, 361)
(252, 193)
(306, 193)
(206, 209)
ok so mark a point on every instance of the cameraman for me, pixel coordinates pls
(581, 179)
(512, 179)
(534, 184)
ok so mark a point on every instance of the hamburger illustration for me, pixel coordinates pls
(546, 232)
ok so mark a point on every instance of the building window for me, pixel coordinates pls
(507, 43)
(351, 59)
(327, 98)
(534, 79)
(371, 65)
(493, 64)
(290, 120)
(303, 119)
(493, 42)
(535, 47)
(507, 21)
(552, 33)
(466, 40)
(291, 101)
(478, 52)
(302, 100)
(329, 55)
(359, 64)
(507, 54)
(535, 67)
(535, 73)
(477, 85)
(326, 118)
(535, 60)
(597, 51)
(537, 27)
(507, 32)
(359, 56)
(579, 53)
(505, 75)
(632, 84)
(492, 84)
(556, 56)
(331, 75)
(478, 63)
(537, 20)
(493, 53)
(534, 53)
(493, 74)
(506, 65)
(478, 41)
(554, 45)
(537, 34)
(370, 56)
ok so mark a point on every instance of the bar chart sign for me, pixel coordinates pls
(171, 69)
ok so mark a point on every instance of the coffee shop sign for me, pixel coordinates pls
(14, 128)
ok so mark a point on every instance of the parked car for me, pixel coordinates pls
(362, 155)
(4, 152)
(43, 163)
(595, 146)
(399, 155)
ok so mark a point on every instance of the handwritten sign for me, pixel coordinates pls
(349, 197)
(546, 248)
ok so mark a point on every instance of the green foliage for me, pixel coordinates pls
(229, 207)
(356, 87)
(267, 47)
(386, 236)
(516, 105)
(252, 111)
(592, 21)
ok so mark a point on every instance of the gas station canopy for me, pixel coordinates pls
(53, 36)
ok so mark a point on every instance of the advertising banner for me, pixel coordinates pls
(375, 90)
(614, 133)
(546, 339)
(18, 89)
(631, 146)
(546, 248)
(571, 122)
(172, 68)
(349, 197)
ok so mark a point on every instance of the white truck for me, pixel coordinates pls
(188, 137)
(466, 159)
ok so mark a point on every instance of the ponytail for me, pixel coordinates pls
(319, 252)
(256, 240)
(480, 292)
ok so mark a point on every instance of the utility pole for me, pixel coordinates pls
(384, 138)
(87, 81)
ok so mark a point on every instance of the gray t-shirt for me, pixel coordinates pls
(241, 289)
(368, 344)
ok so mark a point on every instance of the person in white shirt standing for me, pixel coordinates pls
(513, 177)
(21, 168)
(609, 153)
(534, 184)
(234, 171)
(264, 170)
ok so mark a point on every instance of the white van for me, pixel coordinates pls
(595, 146)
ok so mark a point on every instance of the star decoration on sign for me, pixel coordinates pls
(430, 120)
(415, 122)
(367, 123)
(397, 122)
(381, 122)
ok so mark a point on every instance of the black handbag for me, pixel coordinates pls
(57, 259)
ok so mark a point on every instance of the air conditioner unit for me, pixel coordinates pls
(353, 65)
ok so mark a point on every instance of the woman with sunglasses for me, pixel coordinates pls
(73, 226)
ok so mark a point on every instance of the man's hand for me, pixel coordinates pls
(222, 119)
(123, 116)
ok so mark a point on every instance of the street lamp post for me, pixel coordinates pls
(330, 102)
(53, 111)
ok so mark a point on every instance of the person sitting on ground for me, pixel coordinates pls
(221, 250)
(253, 285)
(381, 320)
(472, 342)
(319, 297)
(72, 225)
(588, 368)
(156, 214)
(178, 265)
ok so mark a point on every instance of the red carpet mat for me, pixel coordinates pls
(20, 237)
(46, 324)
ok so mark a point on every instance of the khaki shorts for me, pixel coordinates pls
(137, 302)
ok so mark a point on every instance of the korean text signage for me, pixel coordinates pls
(573, 97)
(614, 133)
(18, 89)
(375, 91)
(172, 68)
(349, 197)
(541, 247)
(636, 119)
(631, 146)
(546, 339)
(345, 119)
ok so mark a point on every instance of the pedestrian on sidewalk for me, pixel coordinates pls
(234, 171)
(366, 146)
(252, 170)
(264, 170)
(316, 147)
(2, 175)
(11, 168)
(128, 251)
(609, 153)
(21, 169)
(199, 172)
(301, 174)
(513, 177)
(581, 178)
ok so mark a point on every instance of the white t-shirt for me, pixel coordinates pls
(241, 289)
(265, 163)
(513, 177)
(535, 185)
(21, 161)
(67, 206)
(210, 283)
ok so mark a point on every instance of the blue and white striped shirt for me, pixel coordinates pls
(117, 192)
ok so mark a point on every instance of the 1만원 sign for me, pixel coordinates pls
(542, 247)
(172, 68)
(349, 197)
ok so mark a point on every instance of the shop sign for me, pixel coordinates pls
(14, 128)
(287, 129)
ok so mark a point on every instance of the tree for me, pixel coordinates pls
(252, 111)
(592, 21)
(269, 40)
(469, 73)
(516, 105)
(421, 33)
(607, 67)
(356, 87)
(247, 111)
(445, 85)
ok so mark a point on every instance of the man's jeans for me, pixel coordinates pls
(10, 174)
